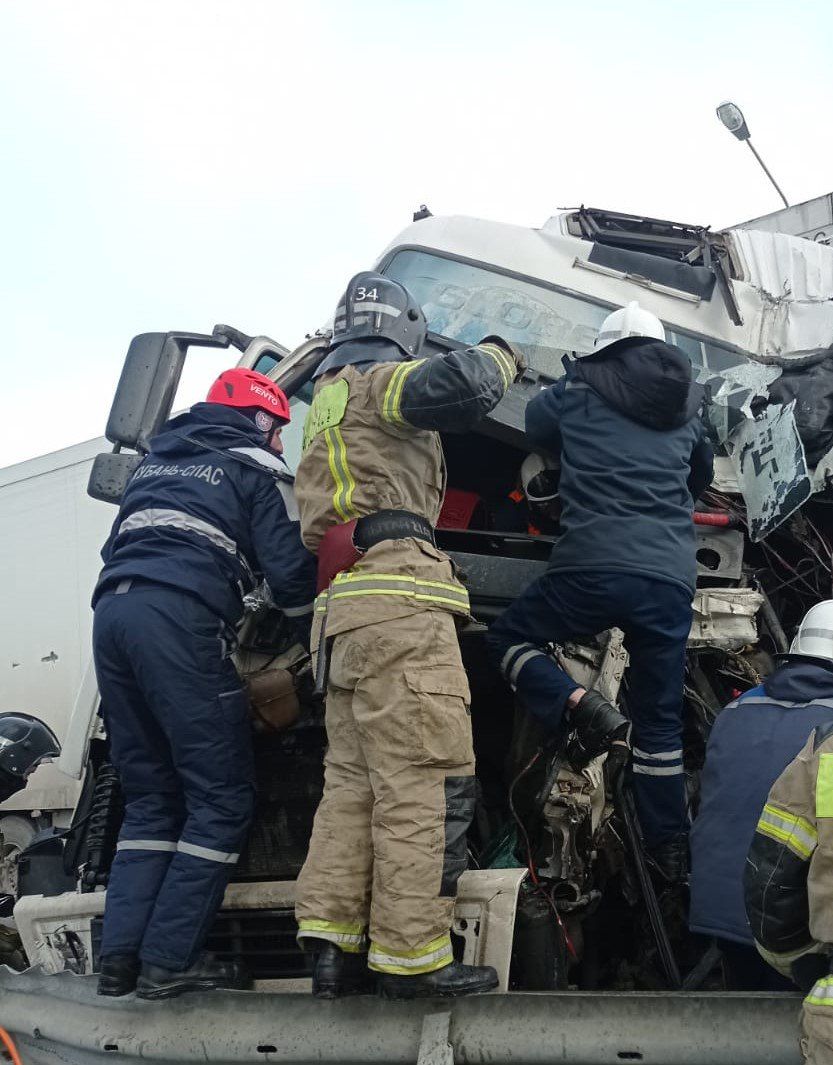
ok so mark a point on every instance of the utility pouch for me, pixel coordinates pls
(273, 698)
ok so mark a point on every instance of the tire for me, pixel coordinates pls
(17, 833)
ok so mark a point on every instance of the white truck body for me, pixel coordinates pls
(50, 536)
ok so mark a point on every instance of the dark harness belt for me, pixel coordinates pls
(390, 525)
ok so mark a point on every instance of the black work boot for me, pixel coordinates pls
(117, 975)
(454, 979)
(206, 974)
(671, 858)
(597, 723)
(338, 972)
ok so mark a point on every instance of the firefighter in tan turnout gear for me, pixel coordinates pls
(389, 841)
(789, 871)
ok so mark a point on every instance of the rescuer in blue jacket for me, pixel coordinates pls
(634, 457)
(208, 514)
(751, 743)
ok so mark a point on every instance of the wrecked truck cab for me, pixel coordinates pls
(547, 290)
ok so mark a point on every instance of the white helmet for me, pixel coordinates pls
(630, 321)
(815, 633)
(539, 479)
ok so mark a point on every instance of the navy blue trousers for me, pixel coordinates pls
(656, 619)
(177, 720)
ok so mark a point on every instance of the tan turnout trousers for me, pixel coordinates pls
(389, 840)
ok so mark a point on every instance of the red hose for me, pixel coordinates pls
(702, 517)
(8, 1043)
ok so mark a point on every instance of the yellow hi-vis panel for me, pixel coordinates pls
(327, 410)
(824, 787)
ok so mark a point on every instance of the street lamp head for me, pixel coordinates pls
(732, 118)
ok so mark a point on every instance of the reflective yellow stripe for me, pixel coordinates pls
(355, 584)
(434, 955)
(350, 937)
(340, 471)
(796, 833)
(393, 394)
(821, 993)
(506, 365)
(824, 787)
(462, 604)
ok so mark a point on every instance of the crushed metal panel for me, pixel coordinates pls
(793, 279)
(725, 617)
(719, 552)
(768, 457)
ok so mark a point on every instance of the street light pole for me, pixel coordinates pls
(732, 118)
(765, 169)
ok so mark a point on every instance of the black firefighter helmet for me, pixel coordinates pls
(376, 306)
(24, 743)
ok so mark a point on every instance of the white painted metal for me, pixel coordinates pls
(50, 536)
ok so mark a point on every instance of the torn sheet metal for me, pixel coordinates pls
(725, 617)
(768, 457)
(731, 393)
(793, 283)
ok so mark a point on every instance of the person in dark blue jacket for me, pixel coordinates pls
(751, 743)
(634, 457)
(208, 515)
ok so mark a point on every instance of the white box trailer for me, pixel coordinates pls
(51, 532)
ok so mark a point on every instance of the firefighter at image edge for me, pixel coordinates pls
(788, 881)
(25, 743)
(624, 421)
(751, 743)
(375, 897)
(207, 515)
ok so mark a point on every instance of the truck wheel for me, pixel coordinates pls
(16, 834)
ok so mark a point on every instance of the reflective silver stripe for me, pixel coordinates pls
(178, 519)
(824, 634)
(349, 585)
(395, 961)
(657, 770)
(346, 939)
(514, 650)
(821, 993)
(298, 611)
(659, 756)
(146, 845)
(210, 855)
(798, 834)
(380, 308)
(520, 663)
(763, 700)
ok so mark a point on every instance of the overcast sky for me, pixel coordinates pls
(170, 164)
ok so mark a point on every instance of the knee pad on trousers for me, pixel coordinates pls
(460, 799)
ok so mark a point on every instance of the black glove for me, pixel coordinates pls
(617, 762)
(511, 350)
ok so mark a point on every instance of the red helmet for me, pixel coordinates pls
(248, 388)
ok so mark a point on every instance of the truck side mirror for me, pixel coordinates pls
(147, 386)
(110, 474)
(142, 404)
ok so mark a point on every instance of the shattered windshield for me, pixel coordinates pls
(466, 303)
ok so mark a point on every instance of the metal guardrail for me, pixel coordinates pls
(60, 1019)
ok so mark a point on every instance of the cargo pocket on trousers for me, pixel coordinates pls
(442, 725)
(236, 732)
